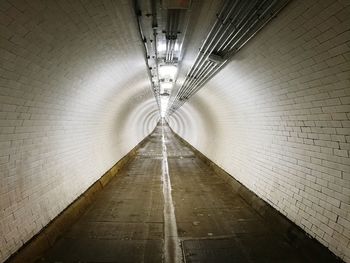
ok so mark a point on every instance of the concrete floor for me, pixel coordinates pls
(214, 224)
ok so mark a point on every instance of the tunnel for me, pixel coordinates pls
(174, 131)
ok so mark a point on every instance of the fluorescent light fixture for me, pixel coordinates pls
(161, 47)
(166, 85)
(167, 71)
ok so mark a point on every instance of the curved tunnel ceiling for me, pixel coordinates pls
(76, 97)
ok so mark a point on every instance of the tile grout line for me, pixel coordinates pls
(172, 247)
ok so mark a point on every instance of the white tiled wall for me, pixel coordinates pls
(277, 118)
(74, 99)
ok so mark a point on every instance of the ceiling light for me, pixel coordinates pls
(167, 71)
(161, 47)
(166, 85)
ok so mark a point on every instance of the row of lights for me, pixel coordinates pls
(161, 47)
(166, 74)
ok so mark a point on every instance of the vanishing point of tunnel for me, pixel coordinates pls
(175, 131)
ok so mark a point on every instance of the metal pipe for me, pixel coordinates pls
(194, 82)
(235, 33)
(194, 79)
(207, 73)
(265, 22)
(210, 32)
(205, 68)
(201, 81)
(146, 52)
(205, 54)
(225, 39)
(206, 46)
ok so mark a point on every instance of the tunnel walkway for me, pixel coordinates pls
(214, 224)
